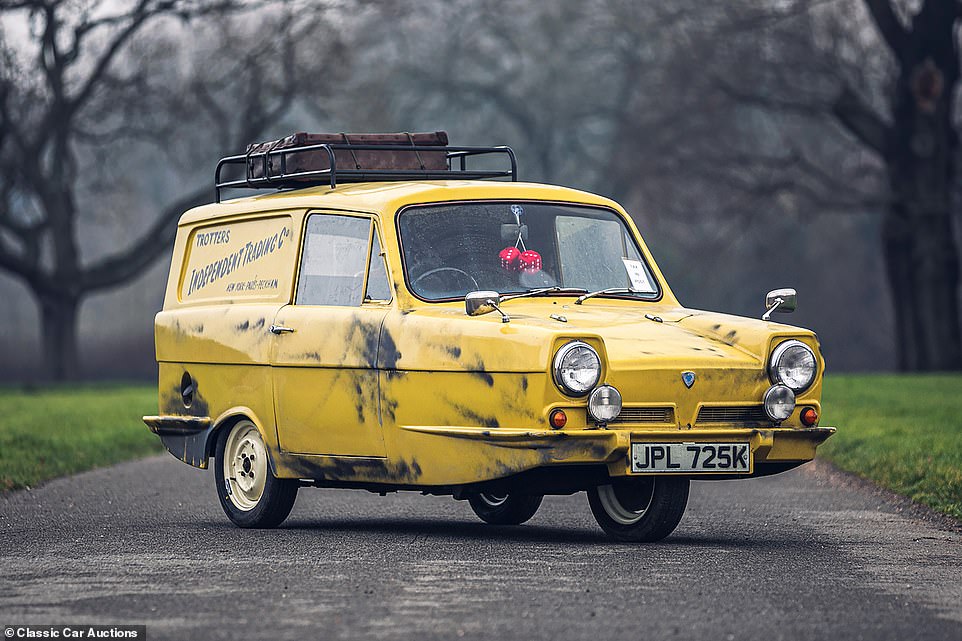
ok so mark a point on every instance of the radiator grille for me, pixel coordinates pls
(735, 414)
(646, 415)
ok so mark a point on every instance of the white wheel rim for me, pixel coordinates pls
(618, 512)
(245, 466)
(493, 500)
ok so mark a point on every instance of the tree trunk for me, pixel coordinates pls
(59, 326)
(922, 259)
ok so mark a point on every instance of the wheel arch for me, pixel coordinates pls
(229, 419)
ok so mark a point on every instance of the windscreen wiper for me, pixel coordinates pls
(610, 290)
(546, 290)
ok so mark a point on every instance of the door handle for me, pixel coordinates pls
(280, 329)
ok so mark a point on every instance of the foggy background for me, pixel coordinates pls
(711, 123)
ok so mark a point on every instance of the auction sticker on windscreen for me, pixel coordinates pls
(637, 276)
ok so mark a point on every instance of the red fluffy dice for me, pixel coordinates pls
(530, 261)
(510, 258)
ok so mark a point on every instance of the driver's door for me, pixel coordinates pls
(324, 356)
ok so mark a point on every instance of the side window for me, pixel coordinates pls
(333, 261)
(378, 287)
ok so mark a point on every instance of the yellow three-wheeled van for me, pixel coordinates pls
(395, 319)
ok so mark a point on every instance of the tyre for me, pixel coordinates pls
(252, 497)
(640, 509)
(504, 509)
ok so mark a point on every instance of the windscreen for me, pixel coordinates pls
(452, 249)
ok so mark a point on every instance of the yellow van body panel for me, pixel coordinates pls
(407, 393)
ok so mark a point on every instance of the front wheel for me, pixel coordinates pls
(640, 509)
(252, 497)
(503, 508)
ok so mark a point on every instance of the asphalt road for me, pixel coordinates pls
(804, 555)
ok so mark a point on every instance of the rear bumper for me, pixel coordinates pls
(773, 449)
(184, 436)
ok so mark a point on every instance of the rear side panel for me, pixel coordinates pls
(227, 281)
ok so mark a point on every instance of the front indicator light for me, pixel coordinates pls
(604, 404)
(809, 416)
(558, 419)
(779, 402)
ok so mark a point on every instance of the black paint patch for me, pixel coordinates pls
(387, 355)
(259, 323)
(243, 327)
(524, 383)
(453, 350)
(474, 417)
(388, 407)
(480, 371)
(173, 403)
(484, 376)
(356, 469)
(359, 399)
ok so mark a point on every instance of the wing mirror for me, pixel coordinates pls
(484, 302)
(780, 300)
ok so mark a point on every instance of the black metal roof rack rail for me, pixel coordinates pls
(274, 174)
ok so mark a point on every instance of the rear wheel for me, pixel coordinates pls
(252, 497)
(503, 508)
(640, 509)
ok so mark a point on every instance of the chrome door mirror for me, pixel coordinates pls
(483, 302)
(780, 300)
(478, 303)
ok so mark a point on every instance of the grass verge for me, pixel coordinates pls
(902, 431)
(58, 431)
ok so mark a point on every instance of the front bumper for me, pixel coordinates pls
(773, 449)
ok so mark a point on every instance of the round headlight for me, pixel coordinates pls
(793, 364)
(577, 368)
(779, 402)
(604, 404)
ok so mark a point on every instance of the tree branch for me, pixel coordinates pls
(117, 268)
(861, 121)
(27, 270)
(894, 34)
(137, 18)
(810, 108)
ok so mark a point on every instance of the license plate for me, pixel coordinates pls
(729, 458)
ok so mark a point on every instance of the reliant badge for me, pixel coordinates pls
(688, 378)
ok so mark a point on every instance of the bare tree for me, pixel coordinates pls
(811, 70)
(98, 78)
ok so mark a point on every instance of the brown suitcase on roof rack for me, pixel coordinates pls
(318, 159)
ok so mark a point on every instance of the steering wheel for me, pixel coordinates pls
(445, 269)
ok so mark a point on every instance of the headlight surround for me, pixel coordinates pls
(577, 368)
(779, 402)
(793, 364)
(604, 403)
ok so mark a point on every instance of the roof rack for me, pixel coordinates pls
(272, 166)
